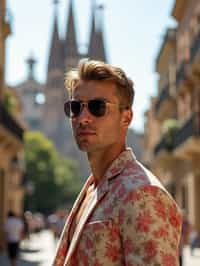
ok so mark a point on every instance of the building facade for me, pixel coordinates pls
(172, 129)
(11, 136)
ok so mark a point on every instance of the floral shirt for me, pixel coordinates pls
(131, 220)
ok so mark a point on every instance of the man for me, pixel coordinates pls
(13, 233)
(123, 215)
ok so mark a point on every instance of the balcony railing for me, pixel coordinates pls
(189, 129)
(162, 145)
(195, 47)
(180, 74)
(164, 94)
(9, 123)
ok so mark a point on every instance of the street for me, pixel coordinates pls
(40, 249)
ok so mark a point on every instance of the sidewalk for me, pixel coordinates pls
(193, 260)
(37, 251)
(4, 261)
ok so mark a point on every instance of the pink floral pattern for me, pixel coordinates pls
(134, 222)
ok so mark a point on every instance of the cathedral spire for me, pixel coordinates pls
(96, 44)
(70, 43)
(55, 23)
(55, 50)
(56, 2)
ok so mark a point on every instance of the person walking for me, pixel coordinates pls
(185, 233)
(13, 234)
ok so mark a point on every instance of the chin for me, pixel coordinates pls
(86, 147)
(83, 146)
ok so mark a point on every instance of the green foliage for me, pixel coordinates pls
(170, 128)
(9, 102)
(56, 180)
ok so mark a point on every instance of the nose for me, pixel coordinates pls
(84, 117)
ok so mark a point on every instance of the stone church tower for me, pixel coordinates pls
(64, 55)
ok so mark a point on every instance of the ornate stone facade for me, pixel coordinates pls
(11, 137)
(172, 130)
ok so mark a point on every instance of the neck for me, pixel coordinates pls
(101, 160)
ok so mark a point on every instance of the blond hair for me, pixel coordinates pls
(97, 70)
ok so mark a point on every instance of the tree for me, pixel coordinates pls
(56, 180)
(9, 102)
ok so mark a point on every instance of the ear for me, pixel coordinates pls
(127, 117)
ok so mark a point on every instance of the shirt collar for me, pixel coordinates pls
(119, 163)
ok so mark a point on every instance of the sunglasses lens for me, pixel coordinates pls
(97, 107)
(67, 108)
(72, 108)
(75, 108)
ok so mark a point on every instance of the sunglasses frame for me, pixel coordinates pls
(69, 113)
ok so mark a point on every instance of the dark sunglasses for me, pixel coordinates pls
(96, 107)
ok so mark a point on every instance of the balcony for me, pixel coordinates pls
(9, 123)
(186, 68)
(160, 146)
(180, 74)
(163, 155)
(195, 48)
(164, 94)
(164, 106)
(187, 141)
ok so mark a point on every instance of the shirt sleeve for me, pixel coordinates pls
(150, 227)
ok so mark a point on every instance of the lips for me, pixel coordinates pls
(85, 133)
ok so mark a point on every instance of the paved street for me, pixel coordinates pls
(39, 251)
(191, 260)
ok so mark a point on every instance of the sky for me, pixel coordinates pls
(133, 34)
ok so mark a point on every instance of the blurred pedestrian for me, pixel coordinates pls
(62, 215)
(26, 227)
(185, 233)
(13, 235)
(194, 240)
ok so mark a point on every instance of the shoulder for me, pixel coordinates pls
(135, 176)
(136, 186)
